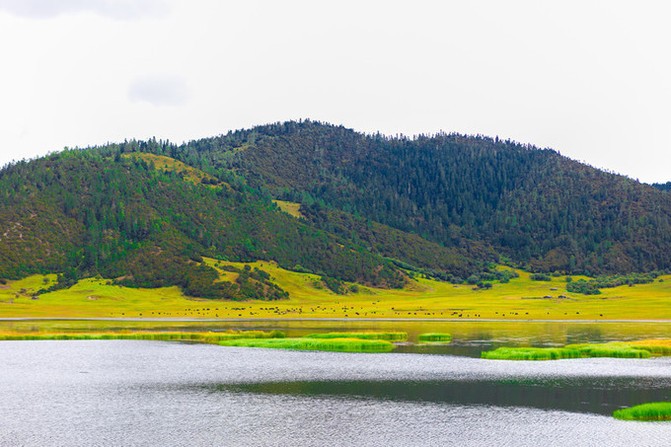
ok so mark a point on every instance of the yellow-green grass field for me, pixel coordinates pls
(291, 208)
(519, 300)
(167, 164)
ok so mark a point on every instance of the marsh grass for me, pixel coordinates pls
(363, 335)
(315, 344)
(585, 350)
(346, 342)
(531, 354)
(653, 411)
(201, 337)
(660, 347)
(613, 349)
(434, 337)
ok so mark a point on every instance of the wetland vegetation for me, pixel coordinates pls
(653, 411)
(641, 349)
(274, 339)
(368, 335)
(202, 337)
(315, 344)
(434, 337)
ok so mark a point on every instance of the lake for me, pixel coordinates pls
(136, 393)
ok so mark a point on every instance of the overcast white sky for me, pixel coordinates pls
(591, 79)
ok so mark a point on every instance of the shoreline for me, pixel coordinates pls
(337, 320)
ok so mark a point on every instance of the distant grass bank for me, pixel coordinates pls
(653, 411)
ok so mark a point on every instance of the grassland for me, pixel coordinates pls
(291, 208)
(653, 411)
(167, 164)
(519, 300)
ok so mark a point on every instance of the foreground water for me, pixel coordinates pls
(131, 393)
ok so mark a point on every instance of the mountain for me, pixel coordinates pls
(372, 209)
(104, 212)
(532, 206)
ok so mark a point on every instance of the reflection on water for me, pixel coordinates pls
(580, 395)
(135, 393)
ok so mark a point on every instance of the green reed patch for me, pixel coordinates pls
(585, 350)
(530, 354)
(434, 337)
(612, 349)
(661, 347)
(363, 335)
(653, 411)
(315, 344)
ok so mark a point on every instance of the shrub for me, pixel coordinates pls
(582, 286)
(335, 285)
(540, 277)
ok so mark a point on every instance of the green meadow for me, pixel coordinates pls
(291, 208)
(521, 299)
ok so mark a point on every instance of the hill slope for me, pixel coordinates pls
(96, 212)
(531, 205)
(361, 208)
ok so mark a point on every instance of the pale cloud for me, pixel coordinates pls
(114, 9)
(159, 90)
(576, 76)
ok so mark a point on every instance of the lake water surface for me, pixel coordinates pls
(135, 393)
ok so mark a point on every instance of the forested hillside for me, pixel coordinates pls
(372, 209)
(531, 205)
(663, 186)
(93, 212)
